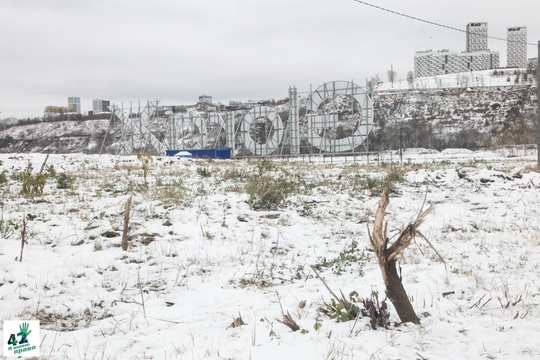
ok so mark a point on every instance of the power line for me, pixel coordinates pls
(432, 22)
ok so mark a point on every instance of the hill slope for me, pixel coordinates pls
(439, 119)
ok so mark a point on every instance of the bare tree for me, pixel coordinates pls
(464, 80)
(410, 79)
(392, 75)
(375, 80)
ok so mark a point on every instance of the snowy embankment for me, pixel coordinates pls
(213, 262)
(472, 79)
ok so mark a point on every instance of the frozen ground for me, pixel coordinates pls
(205, 251)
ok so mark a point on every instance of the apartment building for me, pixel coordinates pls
(517, 47)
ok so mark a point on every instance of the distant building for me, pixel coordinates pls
(205, 99)
(76, 102)
(476, 57)
(477, 37)
(99, 106)
(432, 63)
(532, 64)
(517, 47)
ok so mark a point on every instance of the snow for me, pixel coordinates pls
(183, 155)
(200, 256)
(457, 151)
(472, 79)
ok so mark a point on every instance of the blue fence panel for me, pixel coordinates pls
(224, 153)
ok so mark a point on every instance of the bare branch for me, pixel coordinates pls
(407, 235)
(324, 282)
(379, 228)
(433, 247)
(289, 321)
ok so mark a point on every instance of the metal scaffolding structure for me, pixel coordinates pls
(339, 117)
(135, 128)
(336, 118)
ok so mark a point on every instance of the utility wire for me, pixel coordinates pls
(432, 22)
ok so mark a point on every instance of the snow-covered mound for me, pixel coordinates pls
(456, 151)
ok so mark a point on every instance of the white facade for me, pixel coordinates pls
(517, 47)
(477, 37)
(432, 63)
(99, 106)
(74, 100)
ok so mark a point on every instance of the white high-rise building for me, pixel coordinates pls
(99, 106)
(477, 37)
(517, 47)
(76, 101)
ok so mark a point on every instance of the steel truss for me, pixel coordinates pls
(338, 117)
(135, 128)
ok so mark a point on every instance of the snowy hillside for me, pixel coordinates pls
(455, 118)
(474, 79)
(55, 136)
(220, 251)
(437, 119)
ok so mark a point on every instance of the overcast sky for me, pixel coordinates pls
(176, 50)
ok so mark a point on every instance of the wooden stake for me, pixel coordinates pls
(126, 224)
(23, 237)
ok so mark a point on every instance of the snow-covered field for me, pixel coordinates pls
(213, 241)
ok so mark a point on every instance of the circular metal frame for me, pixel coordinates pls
(272, 143)
(329, 91)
